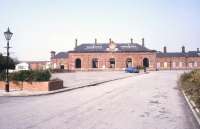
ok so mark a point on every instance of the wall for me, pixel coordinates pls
(178, 63)
(103, 60)
(34, 86)
(56, 63)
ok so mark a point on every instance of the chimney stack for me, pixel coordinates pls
(197, 50)
(142, 42)
(76, 43)
(165, 49)
(53, 53)
(183, 49)
(110, 40)
(95, 41)
(131, 40)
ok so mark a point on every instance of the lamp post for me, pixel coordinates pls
(8, 36)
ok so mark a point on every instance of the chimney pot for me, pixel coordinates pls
(76, 43)
(131, 40)
(183, 49)
(53, 53)
(95, 40)
(110, 40)
(142, 42)
(165, 49)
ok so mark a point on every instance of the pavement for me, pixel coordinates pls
(149, 101)
(74, 81)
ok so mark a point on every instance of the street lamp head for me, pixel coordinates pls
(8, 34)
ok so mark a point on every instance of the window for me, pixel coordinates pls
(78, 63)
(174, 64)
(158, 64)
(165, 64)
(95, 63)
(54, 65)
(112, 63)
(146, 62)
(180, 64)
(190, 65)
(62, 67)
(128, 62)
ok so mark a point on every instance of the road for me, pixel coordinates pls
(150, 101)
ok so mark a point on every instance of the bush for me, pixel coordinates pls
(190, 83)
(2, 76)
(28, 75)
(21, 75)
(60, 70)
(40, 76)
(140, 67)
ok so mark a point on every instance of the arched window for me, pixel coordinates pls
(174, 64)
(78, 63)
(146, 62)
(112, 63)
(95, 63)
(128, 62)
(158, 64)
(62, 66)
(165, 64)
(180, 64)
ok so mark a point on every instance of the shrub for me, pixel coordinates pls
(2, 76)
(21, 75)
(29, 75)
(140, 67)
(40, 76)
(190, 83)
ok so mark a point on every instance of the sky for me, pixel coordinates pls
(40, 26)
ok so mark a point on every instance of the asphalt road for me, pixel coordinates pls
(150, 101)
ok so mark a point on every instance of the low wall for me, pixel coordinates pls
(34, 86)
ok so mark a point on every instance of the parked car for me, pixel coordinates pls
(132, 70)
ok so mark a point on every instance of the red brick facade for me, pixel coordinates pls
(38, 65)
(178, 63)
(112, 56)
(103, 60)
(59, 63)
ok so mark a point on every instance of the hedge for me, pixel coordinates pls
(28, 75)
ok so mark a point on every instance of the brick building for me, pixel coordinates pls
(38, 65)
(118, 56)
(178, 60)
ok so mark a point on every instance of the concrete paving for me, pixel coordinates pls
(149, 101)
(82, 78)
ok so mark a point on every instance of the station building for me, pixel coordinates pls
(118, 56)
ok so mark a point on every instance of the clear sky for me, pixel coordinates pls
(40, 26)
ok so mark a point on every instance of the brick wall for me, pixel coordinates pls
(56, 63)
(178, 63)
(104, 63)
(34, 86)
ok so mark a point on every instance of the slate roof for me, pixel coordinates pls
(178, 54)
(104, 47)
(61, 55)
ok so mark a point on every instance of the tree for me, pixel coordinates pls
(3, 63)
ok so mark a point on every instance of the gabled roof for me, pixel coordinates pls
(61, 55)
(105, 47)
(178, 54)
